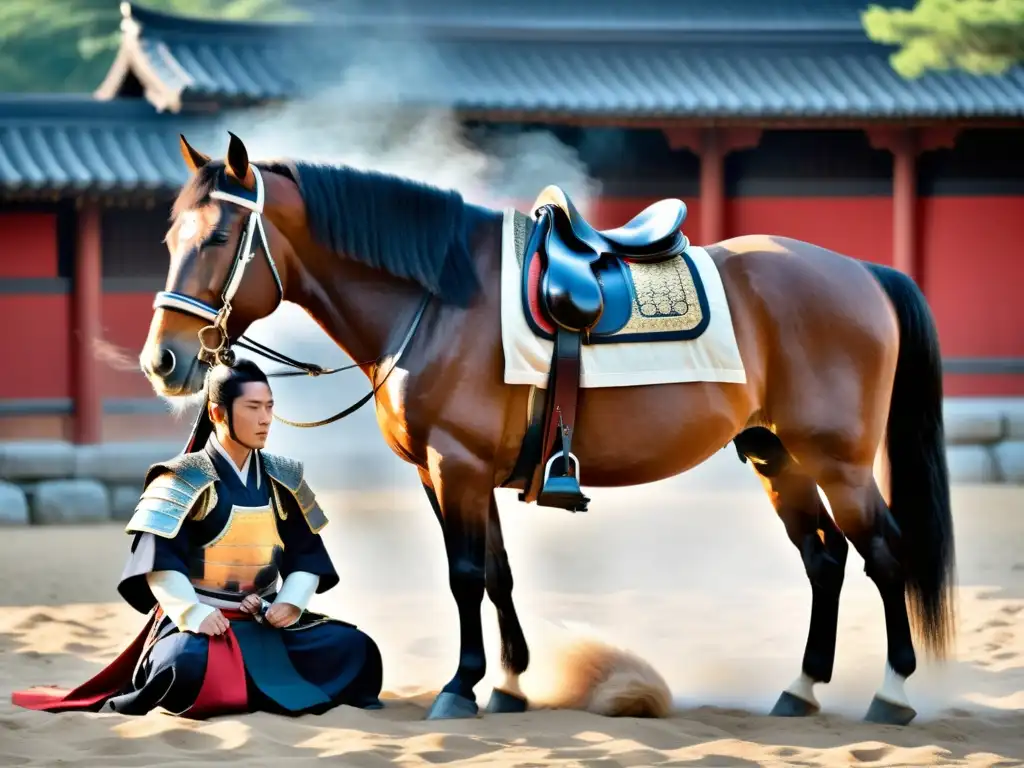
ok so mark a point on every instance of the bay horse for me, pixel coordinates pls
(840, 355)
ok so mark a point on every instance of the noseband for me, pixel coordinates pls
(218, 349)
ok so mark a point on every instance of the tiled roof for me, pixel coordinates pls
(71, 144)
(724, 59)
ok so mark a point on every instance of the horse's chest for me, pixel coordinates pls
(392, 414)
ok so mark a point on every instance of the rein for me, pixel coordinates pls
(218, 348)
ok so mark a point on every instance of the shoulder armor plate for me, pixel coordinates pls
(171, 491)
(288, 473)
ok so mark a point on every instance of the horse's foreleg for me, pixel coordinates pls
(460, 486)
(515, 654)
(794, 495)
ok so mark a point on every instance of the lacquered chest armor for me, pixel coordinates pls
(245, 555)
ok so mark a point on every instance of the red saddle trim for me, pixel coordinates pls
(533, 294)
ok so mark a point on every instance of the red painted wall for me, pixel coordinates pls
(125, 324)
(860, 227)
(34, 346)
(34, 340)
(972, 276)
(29, 241)
(974, 272)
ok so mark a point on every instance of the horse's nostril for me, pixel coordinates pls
(165, 363)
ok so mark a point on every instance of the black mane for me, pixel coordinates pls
(410, 230)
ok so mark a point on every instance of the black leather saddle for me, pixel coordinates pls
(573, 251)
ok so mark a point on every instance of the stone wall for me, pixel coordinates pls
(985, 438)
(45, 482)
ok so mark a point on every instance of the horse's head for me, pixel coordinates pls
(227, 270)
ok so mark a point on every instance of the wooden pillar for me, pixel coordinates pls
(86, 325)
(712, 186)
(712, 145)
(904, 207)
(906, 144)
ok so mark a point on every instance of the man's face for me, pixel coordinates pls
(253, 412)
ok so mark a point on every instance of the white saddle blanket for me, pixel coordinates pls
(712, 356)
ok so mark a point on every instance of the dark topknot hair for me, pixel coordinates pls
(224, 383)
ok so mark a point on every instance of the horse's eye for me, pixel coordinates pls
(218, 238)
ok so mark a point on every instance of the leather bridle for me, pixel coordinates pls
(217, 348)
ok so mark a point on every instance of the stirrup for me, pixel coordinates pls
(562, 491)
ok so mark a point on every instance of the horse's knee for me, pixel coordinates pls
(467, 578)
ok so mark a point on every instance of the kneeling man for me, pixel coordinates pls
(214, 532)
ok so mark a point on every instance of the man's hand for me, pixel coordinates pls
(283, 615)
(214, 624)
(251, 605)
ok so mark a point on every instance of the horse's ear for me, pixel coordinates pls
(237, 162)
(193, 158)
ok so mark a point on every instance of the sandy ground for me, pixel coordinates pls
(698, 580)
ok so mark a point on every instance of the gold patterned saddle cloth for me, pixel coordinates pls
(642, 300)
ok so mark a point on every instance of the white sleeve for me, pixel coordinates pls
(298, 588)
(176, 596)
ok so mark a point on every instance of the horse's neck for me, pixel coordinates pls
(366, 311)
(363, 310)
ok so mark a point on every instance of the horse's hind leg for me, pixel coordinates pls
(844, 472)
(864, 517)
(515, 654)
(823, 548)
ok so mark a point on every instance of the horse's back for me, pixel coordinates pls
(792, 284)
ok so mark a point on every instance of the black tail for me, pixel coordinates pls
(918, 476)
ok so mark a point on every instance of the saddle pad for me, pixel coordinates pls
(663, 355)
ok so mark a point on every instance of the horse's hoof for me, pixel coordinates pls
(789, 705)
(887, 713)
(504, 703)
(451, 706)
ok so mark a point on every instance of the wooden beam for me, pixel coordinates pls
(86, 327)
(937, 137)
(660, 122)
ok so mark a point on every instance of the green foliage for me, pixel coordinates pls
(68, 45)
(979, 36)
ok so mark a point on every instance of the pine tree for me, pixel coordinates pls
(979, 36)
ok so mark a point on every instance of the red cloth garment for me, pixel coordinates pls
(223, 689)
(91, 694)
